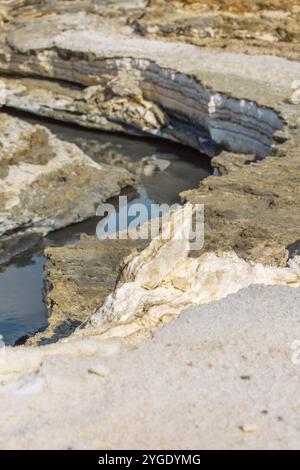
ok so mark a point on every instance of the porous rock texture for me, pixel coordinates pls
(74, 291)
(91, 65)
(256, 27)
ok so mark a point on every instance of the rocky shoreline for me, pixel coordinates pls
(147, 68)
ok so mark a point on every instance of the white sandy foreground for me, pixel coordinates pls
(222, 375)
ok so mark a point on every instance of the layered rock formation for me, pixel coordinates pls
(144, 86)
(112, 79)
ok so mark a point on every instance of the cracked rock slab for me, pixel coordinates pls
(167, 277)
(242, 342)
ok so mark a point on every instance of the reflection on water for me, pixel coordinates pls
(22, 310)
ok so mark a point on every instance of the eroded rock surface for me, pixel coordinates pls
(46, 184)
(150, 288)
(252, 26)
(245, 104)
(242, 103)
(227, 162)
(255, 208)
(78, 278)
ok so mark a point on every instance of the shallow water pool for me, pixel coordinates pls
(22, 311)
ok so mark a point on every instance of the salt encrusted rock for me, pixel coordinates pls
(157, 284)
(255, 208)
(216, 100)
(46, 184)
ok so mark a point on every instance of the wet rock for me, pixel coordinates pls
(46, 184)
(214, 101)
(211, 101)
(105, 285)
(256, 27)
(116, 156)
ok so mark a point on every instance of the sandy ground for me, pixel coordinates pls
(223, 375)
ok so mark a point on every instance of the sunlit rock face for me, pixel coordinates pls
(78, 278)
(46, 184)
